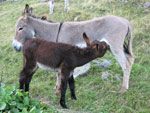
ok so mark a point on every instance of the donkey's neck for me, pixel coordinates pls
(44, 29)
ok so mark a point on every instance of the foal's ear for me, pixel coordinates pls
(26, 11)
(96, 47)
(88, 43)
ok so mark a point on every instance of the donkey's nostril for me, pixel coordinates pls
(17, 45)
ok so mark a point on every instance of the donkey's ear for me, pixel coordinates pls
(26, 11)
(44, 17)
(88, 43)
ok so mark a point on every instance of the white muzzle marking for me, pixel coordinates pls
(17, 45)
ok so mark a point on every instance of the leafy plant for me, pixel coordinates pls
(15, 101)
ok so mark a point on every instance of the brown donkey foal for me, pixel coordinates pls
(58, 57)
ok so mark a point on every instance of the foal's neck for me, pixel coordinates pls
(84, 55)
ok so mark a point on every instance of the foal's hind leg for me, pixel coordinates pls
(126, 62)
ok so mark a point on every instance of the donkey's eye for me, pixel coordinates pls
(21, 28)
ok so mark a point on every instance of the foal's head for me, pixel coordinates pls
(99, 48)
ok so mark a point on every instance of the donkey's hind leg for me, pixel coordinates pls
(126, 62)
(58, 84)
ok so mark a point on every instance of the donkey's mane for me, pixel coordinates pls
(33, 16)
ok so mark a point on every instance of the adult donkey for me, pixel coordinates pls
(111, 29)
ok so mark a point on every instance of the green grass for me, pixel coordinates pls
(93, 93)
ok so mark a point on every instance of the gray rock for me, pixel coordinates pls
(117, 77)
(105, 63)
(95, 61)
(146, 4)
(79, 71)
(92, 7)
(43, 0)
(105, 75)
(123, 0)
(76, 18)
(146, 11)
(1, 0)
(10, 0)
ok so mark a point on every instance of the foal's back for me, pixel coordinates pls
(50, 53)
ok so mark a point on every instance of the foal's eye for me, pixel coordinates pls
(20, 29)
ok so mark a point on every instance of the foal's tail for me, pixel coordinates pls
(128, 45)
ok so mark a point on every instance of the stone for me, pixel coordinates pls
(10, 0)
(146, 11)
(43, 0)
(146, 4)
(105, 75)
(105, 63)
(92, 7)
(95, 61)
(117, 77)
(81, 70)
(76, 18)
(123, 0)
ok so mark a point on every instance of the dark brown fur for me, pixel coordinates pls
(58, 55)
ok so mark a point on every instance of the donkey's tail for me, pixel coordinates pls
(128, 41)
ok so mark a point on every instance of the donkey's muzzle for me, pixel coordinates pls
(17, 45)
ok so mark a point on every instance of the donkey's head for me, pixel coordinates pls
(99, 48)
(24, 30)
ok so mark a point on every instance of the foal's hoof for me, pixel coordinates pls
(73, 98)
(63, 105)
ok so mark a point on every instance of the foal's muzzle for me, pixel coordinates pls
(17, 45)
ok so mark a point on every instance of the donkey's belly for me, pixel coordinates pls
(45, 67)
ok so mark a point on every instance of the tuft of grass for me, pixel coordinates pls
(94, 94)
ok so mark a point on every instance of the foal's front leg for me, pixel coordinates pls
(72, 87)
(64, 81)
(28, 70)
